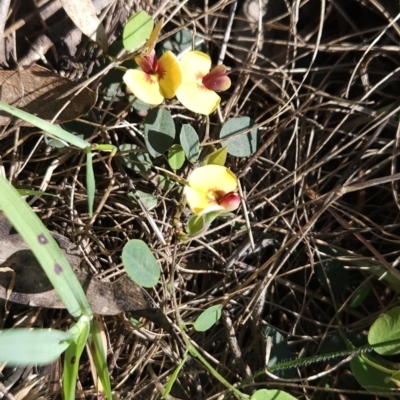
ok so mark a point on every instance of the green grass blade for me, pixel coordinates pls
(45, 249)
(90, 181)
(54, 130)
(80, 332)
(99, 357)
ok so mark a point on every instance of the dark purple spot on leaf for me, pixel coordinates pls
(42, 239)
(58, 269)
(73, 359)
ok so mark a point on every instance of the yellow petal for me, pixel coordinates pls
(213, 178)
(198, 99)
(195, 65)
(144, 86)
(171, 76)
(199, 202)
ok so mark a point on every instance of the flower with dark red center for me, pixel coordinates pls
(157, 79)
(199, 84)
(212, 188)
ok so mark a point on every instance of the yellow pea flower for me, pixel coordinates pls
(212, 188)
(199, 84)
(157, 79)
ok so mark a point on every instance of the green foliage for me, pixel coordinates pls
(80, 332)
(137, 30)
(140, 263)
(368, 374)
(198, 224)
(159, 131)
(280, 351)
(265, 394)
(217, 157)
(360, 295)
(384, 329)
(242, 145)
(208, 318)
(134, 158)
(182, 41)
(190, 142)
(176, 157)
(331, 272)
(57, 132)
(25, 347)
(147, 199)
(45, 248)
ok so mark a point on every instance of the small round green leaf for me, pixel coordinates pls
(137, 30)
(190, 142)
(140, 263)
(208, 318)
(241, 145)
(176, 157)
(24, 347)
(386, 328)
(159, 131)
(273, 394)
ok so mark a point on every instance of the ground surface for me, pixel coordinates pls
(321, 82)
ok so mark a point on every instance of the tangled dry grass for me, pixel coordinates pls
(321, 81)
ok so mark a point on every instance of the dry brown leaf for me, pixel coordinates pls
(83, 15)
(37, 90)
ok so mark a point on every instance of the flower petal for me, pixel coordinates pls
(195, 65)
(213, 178)
(198, 99)
(170, 74)
(199, 202)
(144, 86)
(217, 79)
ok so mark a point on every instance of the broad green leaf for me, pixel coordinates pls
(217, 157)
(384, 329)
(208, 318)
(140, 263)
(242, 145)
(176, 157)
(370, 378)
(54, 130)
(25, 347)
(280, 351)
(190, 142)
(159, 131)
(140, 105)
(137, 30)
(133, 157)
(148, 200)
(45, 249)
(80, 331)
(273, 394)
